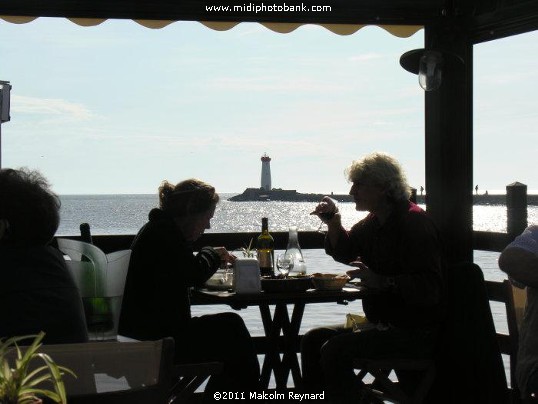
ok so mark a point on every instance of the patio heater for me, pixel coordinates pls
(5, 90)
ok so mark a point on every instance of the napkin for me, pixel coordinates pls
(247, 276)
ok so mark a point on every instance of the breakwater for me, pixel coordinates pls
(286, 195)
(482, 199)
(291, 195)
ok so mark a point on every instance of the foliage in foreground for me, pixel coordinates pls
(19, 383)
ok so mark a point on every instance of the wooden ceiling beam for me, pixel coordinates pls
(505, 20)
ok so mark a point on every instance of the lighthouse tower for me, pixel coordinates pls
(266, 172)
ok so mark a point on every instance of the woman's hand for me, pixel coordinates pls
(225, 256)
(368, 277)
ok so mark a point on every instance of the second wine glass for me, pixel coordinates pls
(284, 264)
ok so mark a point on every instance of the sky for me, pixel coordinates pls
(118, 107)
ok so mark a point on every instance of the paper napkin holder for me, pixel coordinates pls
(247, 276)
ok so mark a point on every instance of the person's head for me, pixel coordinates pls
(377, 179)
(191, 203)
(29, 210)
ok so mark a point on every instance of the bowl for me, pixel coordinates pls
(329, 281)
(290, 284)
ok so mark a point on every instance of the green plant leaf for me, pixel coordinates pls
(57, 375)
(18, 385)
(32, 379)
(28, 399)
(43, 392)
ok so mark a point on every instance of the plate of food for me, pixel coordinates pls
(329, 281)
(220, 281)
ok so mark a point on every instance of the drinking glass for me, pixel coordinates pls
(323, 216)
(284, 264)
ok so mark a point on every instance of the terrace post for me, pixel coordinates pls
(516, 208)
(449, 140)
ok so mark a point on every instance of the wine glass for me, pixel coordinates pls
(284, 264)
(325, 210)
(323, 216)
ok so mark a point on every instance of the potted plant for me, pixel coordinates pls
(248, 251)
(22, 384)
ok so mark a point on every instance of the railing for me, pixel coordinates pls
(482, 240)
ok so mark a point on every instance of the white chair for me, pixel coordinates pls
(101, 279)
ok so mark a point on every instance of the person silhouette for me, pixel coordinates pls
(519, 260)
(396, 251)
(37, 293)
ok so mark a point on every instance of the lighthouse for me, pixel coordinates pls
(266, 172)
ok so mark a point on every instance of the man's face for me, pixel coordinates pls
(367, 197)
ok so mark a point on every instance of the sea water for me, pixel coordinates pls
(125, 214)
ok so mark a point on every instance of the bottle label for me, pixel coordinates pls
(265, 259)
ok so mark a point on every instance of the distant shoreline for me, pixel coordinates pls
(291, 195)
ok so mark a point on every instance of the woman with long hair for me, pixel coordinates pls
(162, 270)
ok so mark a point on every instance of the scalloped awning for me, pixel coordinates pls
(401, 31)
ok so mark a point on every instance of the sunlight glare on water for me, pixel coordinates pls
(126, 214)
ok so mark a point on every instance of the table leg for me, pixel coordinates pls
(271, 361)
(280, 322)
(290, 330)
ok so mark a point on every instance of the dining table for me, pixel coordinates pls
(281, 343)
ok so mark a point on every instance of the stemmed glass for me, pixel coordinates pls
(326, 216)
(323, 214)
(284, 264)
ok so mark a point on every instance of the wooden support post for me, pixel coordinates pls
(516, 208)
(449, 141)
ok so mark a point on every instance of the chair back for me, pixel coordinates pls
(513, 298)
(100, 279)
(115, 372)
(469, 362)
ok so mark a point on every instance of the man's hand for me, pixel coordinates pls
(326, 209)
(368, 277)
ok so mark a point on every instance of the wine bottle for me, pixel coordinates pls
(266, 250)
(86, 236)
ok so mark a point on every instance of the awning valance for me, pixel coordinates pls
(402, 31)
